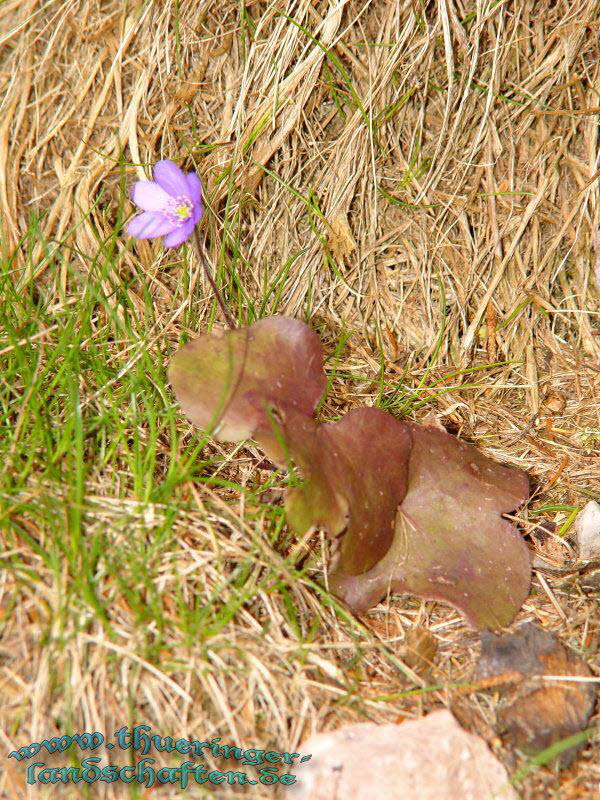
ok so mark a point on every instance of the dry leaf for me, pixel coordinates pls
(340, 239)
(532, 716)
(554, 403)
(419, 650)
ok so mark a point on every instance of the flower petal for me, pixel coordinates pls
(194, 187)
(149, 225)
(149, 196)
(196, 213)
(180, 235)
(171, 179)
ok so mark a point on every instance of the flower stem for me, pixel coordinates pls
(213, 285)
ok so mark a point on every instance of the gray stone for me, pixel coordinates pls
(587, 526)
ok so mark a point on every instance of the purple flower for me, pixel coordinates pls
(171, 205)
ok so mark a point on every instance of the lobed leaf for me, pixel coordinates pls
(226, 381)
(450, 541)
(413, 509)
(354, 474)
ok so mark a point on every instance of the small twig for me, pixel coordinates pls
(213, 285)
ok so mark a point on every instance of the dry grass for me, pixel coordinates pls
(377, 151)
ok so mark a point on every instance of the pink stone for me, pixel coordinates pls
(427, 759)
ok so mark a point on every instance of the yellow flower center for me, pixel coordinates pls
(183, 211)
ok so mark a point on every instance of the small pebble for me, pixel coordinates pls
(587, 527)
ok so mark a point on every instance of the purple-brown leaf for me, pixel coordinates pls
(355, 477)
(414, 509)
(226, 381)
(450, 541)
